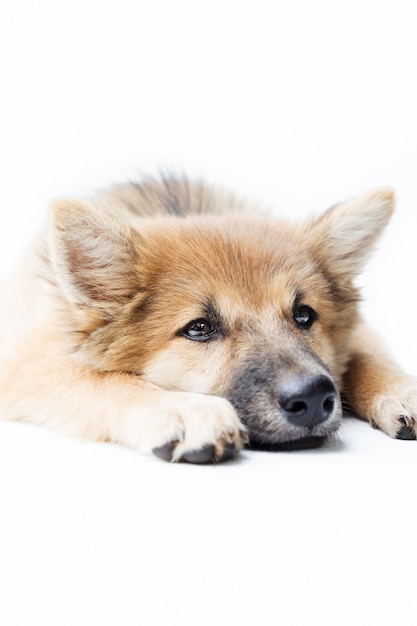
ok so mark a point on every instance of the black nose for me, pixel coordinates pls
(309, 402)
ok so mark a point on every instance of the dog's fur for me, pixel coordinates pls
(173, 317)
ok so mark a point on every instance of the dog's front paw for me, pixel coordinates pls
(395, 410)
(207, 430)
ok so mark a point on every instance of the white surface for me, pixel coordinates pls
(295, 104)
(95, 534)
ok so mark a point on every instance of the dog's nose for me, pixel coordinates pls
(311, 402)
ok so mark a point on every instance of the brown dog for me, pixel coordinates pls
(172, 317)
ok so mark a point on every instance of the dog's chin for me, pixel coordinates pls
(304, 443)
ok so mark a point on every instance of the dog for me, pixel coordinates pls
(175, 318)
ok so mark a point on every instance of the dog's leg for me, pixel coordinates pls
(42, 384)
(377, 388)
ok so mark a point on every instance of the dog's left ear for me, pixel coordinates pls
(345, 234)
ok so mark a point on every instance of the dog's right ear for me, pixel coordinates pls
(95, 257)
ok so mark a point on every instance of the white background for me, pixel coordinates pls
(299, 105)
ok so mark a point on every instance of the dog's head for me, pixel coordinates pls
(258, 311)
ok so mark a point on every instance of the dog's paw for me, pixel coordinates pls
(395, 410)
(201, 429)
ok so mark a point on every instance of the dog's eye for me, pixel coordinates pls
(304, 316)
(199, 330)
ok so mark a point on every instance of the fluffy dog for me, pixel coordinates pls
(175, 318)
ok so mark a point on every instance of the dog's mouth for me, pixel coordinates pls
(304, 443)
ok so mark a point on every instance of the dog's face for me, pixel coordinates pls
(257, 311)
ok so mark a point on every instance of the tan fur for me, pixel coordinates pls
(92, 338)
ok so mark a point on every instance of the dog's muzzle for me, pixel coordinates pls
(286, 410)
